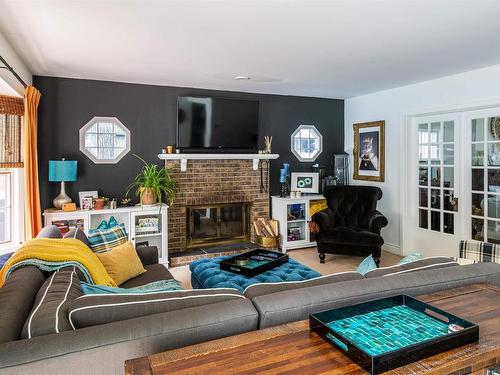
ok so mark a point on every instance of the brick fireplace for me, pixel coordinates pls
(208, 182)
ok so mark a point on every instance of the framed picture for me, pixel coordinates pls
(369, 151)
(305, 182)
(87, 199)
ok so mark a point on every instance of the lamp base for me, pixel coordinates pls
(62, 198)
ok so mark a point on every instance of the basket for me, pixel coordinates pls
(268, 242)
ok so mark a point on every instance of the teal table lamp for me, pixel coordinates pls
(62, 171)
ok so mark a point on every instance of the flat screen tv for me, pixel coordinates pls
(208, 124)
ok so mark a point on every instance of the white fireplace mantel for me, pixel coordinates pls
(185, 157)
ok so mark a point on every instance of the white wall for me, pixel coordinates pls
(8, 53)
(460, 91)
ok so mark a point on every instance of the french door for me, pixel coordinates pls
(483, 164)
(453, 181)
(433, 163)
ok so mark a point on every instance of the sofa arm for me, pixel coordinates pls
(377, 222)
(322, 218)
(148, 255)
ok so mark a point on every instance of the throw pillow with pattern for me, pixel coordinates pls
(104, 240)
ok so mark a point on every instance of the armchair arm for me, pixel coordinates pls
(323, 218)
(377, 222)
(148, 255)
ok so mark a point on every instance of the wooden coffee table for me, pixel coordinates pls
(293, 349)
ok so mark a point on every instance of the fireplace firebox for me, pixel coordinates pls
(215, 224)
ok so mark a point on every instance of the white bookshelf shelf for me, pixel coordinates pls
(185, 157)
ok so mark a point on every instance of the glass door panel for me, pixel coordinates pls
(485, 175)
(437, 205)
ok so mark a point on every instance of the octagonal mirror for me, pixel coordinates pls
(105, 140)
(307, 143)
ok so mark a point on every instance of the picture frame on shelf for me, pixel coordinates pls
(87, 199)
(369, 151)
(305, 182)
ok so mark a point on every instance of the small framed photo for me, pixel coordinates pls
(87, 199)
(369, 151)
(305, 182)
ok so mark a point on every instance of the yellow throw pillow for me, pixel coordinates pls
(122, 262)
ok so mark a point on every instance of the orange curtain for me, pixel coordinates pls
(32, 211)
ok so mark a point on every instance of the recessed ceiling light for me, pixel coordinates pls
(242, 78)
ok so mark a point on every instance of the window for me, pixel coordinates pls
(11, 214)
(5, 206)
(307, 143)
(105, 140)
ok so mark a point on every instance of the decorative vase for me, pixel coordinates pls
(98, 204)
(148, 196)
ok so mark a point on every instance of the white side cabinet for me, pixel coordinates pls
(143, 224)
(294, 215)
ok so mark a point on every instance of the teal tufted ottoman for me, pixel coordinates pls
(206, 273)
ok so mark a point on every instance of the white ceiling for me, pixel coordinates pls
(327, 49)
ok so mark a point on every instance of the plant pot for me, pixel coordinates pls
(98, 204)
(148, 196)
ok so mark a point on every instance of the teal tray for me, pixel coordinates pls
(384, 334)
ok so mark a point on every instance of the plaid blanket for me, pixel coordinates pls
(478, 251)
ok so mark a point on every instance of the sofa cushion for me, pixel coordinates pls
(122, 262)
(206, 273)
(16, 300)
(154, 272)
(94, 309)
(50, 232)
(350, 235)
(104, 240)
(261, 289)
(50, 311)
(78, 234)
(417, 265)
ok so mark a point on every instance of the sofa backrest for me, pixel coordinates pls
(261, 289)
(416, 265)
(17, 296)
(288, 306)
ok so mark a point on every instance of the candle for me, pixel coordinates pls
(286, 167)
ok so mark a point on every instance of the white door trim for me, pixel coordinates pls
(406, 122)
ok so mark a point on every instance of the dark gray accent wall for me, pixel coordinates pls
(150, 113)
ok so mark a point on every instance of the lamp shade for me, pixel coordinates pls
(62, 170)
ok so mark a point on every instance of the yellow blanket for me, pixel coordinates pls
(59, 250)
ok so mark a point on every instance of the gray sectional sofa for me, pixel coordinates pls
(103, 348)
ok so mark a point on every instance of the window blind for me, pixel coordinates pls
(11, 113)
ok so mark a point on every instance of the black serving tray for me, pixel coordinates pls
(376, 364)
(259, 261)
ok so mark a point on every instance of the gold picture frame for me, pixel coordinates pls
(369, 151)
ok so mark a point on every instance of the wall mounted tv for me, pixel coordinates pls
(208, 124)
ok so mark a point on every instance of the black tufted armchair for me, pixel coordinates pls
(351, 224)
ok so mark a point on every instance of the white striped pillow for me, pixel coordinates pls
(50, 311)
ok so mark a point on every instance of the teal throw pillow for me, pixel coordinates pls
(366, 265)
(411, 258)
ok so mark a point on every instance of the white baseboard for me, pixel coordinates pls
(394, 249)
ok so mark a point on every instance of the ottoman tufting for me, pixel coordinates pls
(206, 273)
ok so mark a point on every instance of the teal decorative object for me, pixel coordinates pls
(366, 265)
(112, 222)
(103, 226)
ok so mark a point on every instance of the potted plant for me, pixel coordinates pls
(153, 185)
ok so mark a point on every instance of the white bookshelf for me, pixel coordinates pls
(294, 215)
(131, 217)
